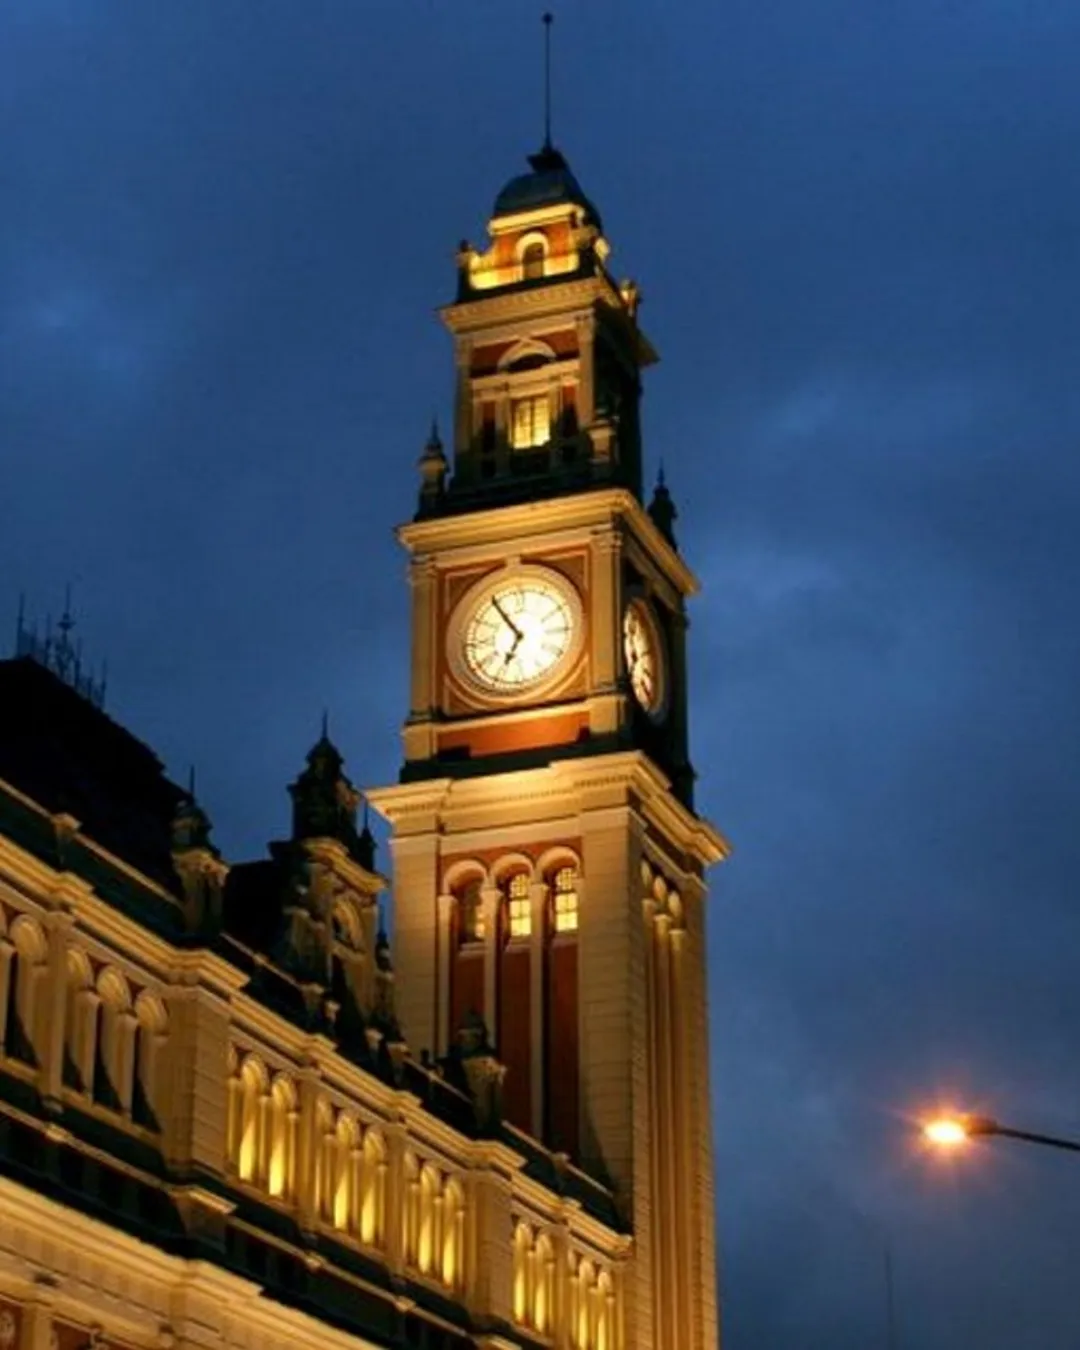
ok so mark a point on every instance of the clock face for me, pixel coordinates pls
(519, 631)
(641, 648)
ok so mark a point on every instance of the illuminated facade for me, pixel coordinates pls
(227, 1118)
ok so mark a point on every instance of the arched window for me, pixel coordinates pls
(151, 1030)
(519, 905)
(411, 1220)
(543, 1293)
(471, 911)
(250, 1146)
(533, 257)
(373, 1202)
(453, 1234)
(282, 1141)
(586, 1280)
(347, 1180)
(79, 1020)
(523, 1240)
(115, 1042)
(605, 1312)
(326, 1159)
(26, 968)
(564, 900)
(430, 1195)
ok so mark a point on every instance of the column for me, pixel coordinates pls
(586, 336)
(7, 973)
(196, 1125)
(415, 920)
(538, 1022)
(445, 905)
(490, 1288)
(305, 1181)
(685, 1144)
(463, 412)
(492, 898)
(423, 576)
(396, 1206)
(605, 597)
(58, 927)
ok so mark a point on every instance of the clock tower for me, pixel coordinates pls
(548, 861)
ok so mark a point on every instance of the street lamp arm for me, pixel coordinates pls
(1049, 1140)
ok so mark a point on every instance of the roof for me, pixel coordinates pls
(550, 182)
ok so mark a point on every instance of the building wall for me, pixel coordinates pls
(245, 1122)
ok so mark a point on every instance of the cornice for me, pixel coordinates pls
(596, 507)
(566, 786)
(466, 316)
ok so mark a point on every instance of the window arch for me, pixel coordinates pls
(345, 1160)
(453, 1234)
(112, 1083)
(80, 1015)
(411, 1218)
(543, 1292)
(523, 1241)
(151, 1030)
(254, 1088)
(282, 1138)
(533, 259)
(373, 1201)
(26, 969)
(326, 1160)
(605, 1312)
(430, 1194)
(583, 1312)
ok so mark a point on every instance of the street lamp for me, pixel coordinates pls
(952, 1131)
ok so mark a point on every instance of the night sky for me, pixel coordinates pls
(224, 228)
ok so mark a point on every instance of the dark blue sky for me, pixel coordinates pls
(224, 227)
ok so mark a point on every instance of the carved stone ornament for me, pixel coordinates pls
(7, 1329)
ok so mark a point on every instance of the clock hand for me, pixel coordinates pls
(506, 618)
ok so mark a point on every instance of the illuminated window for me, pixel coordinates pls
(532, 260)
(530, 421)
(472, 913)
(520, 908)
(566, 900)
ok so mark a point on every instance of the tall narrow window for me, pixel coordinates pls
(520, 906)
(566, 900)
(532, 260)
(530, 421)
(472, 912)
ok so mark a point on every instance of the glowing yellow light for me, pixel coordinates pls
(947, 1132)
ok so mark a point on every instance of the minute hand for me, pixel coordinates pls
(507, 619)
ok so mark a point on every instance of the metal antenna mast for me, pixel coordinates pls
(548, 20)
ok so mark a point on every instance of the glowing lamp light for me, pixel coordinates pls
(947, 1132)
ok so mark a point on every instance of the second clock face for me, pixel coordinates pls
(644, 665)
(520, 631)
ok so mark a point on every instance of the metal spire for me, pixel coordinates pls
(548, 21)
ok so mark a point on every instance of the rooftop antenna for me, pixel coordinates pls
(890, 1305)
(548, 21)
(325, 725)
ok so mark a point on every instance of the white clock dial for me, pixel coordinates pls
(641, 649)
(520, 631)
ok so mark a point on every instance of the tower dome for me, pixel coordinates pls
(551, 182)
